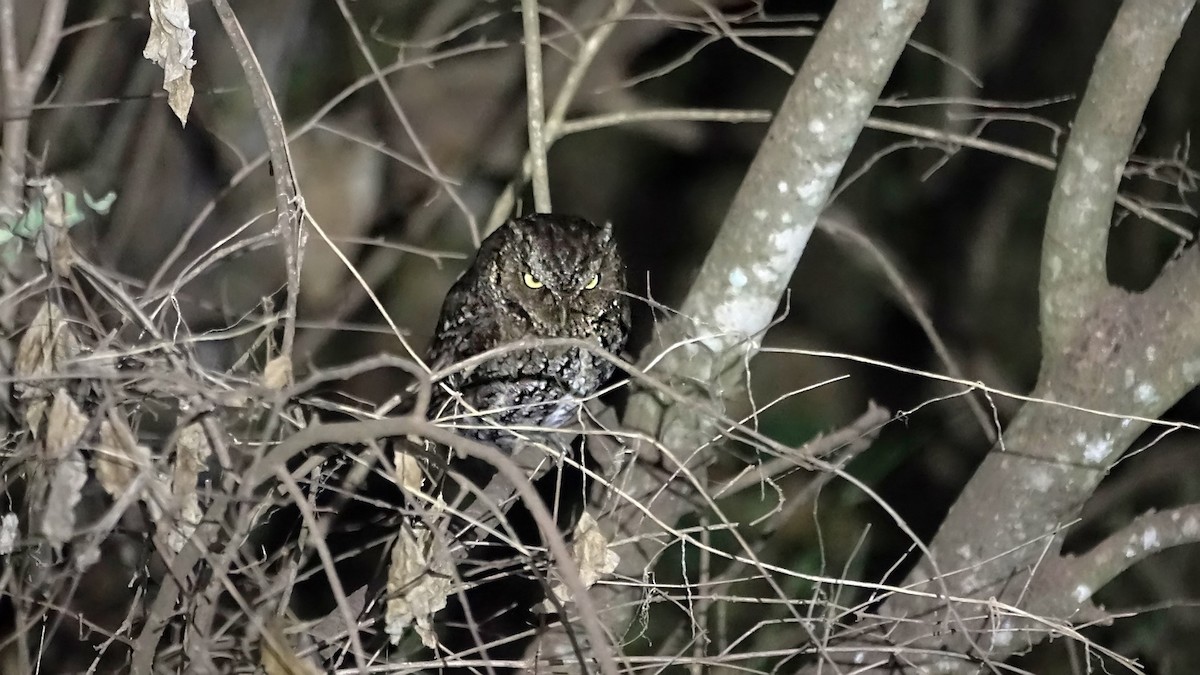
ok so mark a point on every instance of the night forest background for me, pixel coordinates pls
(917, 221)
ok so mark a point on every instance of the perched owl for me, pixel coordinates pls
(544, 275)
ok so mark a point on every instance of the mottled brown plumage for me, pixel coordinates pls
(540, 276)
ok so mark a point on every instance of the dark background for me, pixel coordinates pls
(964, 229)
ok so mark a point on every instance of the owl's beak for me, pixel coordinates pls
(561, 304)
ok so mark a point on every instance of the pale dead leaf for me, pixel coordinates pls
(278, 373)
(45, 348)
(65, 424)
(590, 550)
(170, 46)
(9, 532)
(118, 459)
(85, 555)
(58, 520)
(192, 452)
(409, 474)
(417, 587)
(33, 416)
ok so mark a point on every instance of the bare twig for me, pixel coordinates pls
(335, 583)
(776, 208)
(972, 141)
(531, 22)
(287, 204)
(502, 209)
(853, 236)
(20, 88)
(866, 425)
(359, 432)
(594, 122)
(378, 76)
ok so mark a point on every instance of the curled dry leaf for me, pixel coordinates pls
(417, 587)
(45, 348)
(278, 373)
(9, 532)
(170, 46)
(591, 553)
(192, 453)
(65, 425)
(118, 459)
(33, 416)
(58, 520)
(409, 474)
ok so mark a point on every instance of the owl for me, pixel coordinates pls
(544, 275)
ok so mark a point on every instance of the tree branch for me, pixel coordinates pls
(531, 21)
(287, 208)
(776, 208)
(864, 429)
(1074, 273)
(20, 88)
(349, 433)
(1146, 535)
(761, 240)
(972, 141)
(1107, 350)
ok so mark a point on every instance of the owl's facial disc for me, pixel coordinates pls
(561, 271)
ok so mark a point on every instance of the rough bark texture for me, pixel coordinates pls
(750, 264)
(1109, 358)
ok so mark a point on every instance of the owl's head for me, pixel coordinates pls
(562, 272)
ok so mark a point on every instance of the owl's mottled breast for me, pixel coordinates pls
(541, 276)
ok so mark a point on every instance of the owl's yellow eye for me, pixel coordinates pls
(532, 281)
(592, 283)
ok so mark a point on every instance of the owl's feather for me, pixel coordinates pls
(493, 304)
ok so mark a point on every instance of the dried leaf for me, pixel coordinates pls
(45, 348)
(58, 520)
(278, 373)
(591, 553)
(409, 473)
(65, 424)
(192, 453)
(53, 211)
(118, 459)
(9, 532)
(170, 46)
(417, 587)
(33, 416)
(86, 555)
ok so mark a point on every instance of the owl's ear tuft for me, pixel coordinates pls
(607, 229)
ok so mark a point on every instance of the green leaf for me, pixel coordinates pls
(101, 205)
(72, 214)
(30, 223)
